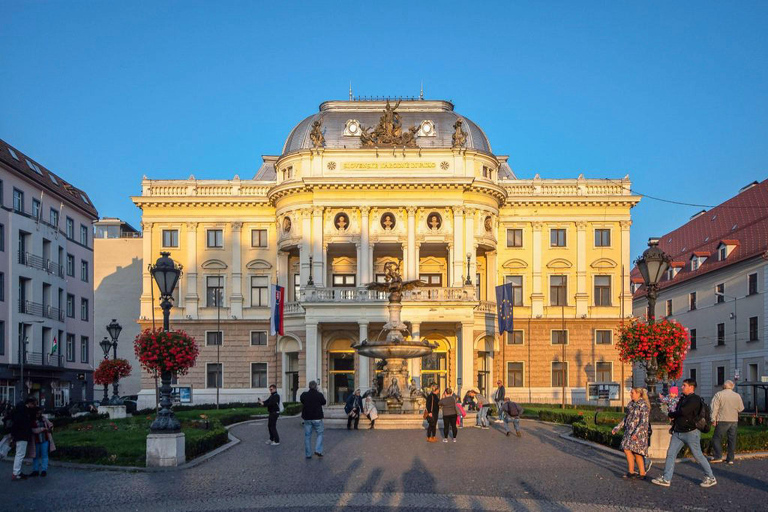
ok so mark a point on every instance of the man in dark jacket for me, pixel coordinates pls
(685, 433)
(433, 411)
(312, 402)
(498, 397)
(21, 432)
(353, 408)
(273, 408)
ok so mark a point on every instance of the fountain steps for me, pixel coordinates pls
(336, 418)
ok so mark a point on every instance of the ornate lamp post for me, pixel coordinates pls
(166, 274)
(652, 265)
(105, 345)
(114, 329)
(468, 282)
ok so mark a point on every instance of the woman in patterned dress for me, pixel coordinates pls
(636, 424)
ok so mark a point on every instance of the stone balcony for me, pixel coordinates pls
(362, 295)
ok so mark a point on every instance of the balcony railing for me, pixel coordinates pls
(42, 359)
(349, 295)
(486, 307)
(43, 310)
(33, 261)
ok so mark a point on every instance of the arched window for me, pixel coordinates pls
(434, 367)
(341, 369)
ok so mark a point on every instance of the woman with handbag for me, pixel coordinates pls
(636, 425)
(431, 413)
(353, 408)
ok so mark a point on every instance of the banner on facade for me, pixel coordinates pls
(504, 307)
(278, 302)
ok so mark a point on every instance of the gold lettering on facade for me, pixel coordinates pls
(388, 165)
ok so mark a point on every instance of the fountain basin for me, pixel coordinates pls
(404, 350)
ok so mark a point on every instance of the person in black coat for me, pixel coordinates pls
(432, 412)
(273, 408)
(353, 408)
(21, 432)
(312, 402)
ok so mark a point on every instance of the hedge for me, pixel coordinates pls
(565, 416)
(291, 408)
(68, 420)
(212, 440)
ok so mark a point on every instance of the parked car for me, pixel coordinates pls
(130, 402)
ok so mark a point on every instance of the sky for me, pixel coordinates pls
(672, 93)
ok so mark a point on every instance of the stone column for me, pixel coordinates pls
(470, 245)
(365, 263)
(149, 258)
(626, 294)
(411, 242)
(449, 270)
(358, 260)
(306, 237)
(582, 295)
(537, 297)
(236, 294)
(312, 353)
(458, 246)
(192, 299)
(416, 251)
(371, 264)
(404, 270)
(492, 273)
(325, 265)
(466, 356)
(282, 269)
(317, 247)
(414, 365)
(363, 373)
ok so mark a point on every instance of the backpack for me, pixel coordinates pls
(704, 418)
(280, 407)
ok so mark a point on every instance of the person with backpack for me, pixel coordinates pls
(726, 406)
(273, 406)
(512, 413)
(689, 420)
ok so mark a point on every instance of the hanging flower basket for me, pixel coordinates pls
(111, 370)
(160, 351)
(666, 340)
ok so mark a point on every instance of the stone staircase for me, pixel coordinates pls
(335, 417)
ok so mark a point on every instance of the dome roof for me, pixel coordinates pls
(335, 115)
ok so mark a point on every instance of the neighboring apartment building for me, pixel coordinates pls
(718, 270)
(46, 283)
(324, 217)
(117, 291)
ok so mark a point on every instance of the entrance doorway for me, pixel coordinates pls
(292, 375)
(434, 367)
(341, 370)
(483, 372)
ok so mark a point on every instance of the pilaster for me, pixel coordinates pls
(411, 266)
(236, 297)
(318, 255)
(146, 277)
(458, 245)
(537, 297)
(365, 264)
(582, 296)
(626, 292)
(191, 300)
(364, 374)
(304, 246)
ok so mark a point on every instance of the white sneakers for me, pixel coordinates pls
(708, 482)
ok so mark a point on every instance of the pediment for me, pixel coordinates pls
(604, 263)
(559, 263)
(213, 265)
(515, 263)
(258, 265)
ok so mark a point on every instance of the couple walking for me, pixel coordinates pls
(451, 410)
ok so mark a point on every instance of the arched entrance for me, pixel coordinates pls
(434, 367)
(290, 349)
(341, 369)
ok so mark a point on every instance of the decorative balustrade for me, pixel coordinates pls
(205, 188)
(517, 188)
(486, 307)
(365, 295)
(292, 308)
(440, 294)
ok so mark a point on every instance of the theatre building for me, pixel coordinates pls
(360, 184)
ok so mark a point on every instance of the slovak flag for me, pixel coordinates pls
(278, 301)
(54, 346)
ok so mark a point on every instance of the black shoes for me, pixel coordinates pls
(319, 454)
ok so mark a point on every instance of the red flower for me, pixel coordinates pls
(160, 351)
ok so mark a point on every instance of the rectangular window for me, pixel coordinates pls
(83, 349)
(559, 337)
(213, 338)
(54, 217)
(259, 291)
(344, 280)
(603, 337)
(170, 238)
(259, 375)
(84, 309)
(70, 348)
(692, 301)
(753, 328)
(70, 228)
(215, 238)
(669, 307)
(559, 374)
(36, 209)
(258, 338)
(514, 238)
(70, 305)
(558, 286)
(723, 253)
(2, 237)
(752, 284)
(720, 293)
(557, 238)
(2, 286)
(214, 375)
(258, 238)
(515, 374)
(602, 290)
(602, 238)
(83, 235)
(214, 291)
(693, 339)
(517, 289)
(18, 200)
(434, 280)
(84, 271)
(604, 372)
(296, 286)
(70, 265)
(720, 375)
(720, 334)
(2, 338)
(692, 373)
(515, 337)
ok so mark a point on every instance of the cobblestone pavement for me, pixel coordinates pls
(389, 470)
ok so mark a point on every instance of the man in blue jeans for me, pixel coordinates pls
(312, 413)
(685, 433)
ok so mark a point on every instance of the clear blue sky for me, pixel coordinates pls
(673, 93)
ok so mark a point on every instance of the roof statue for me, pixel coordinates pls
(389, 131)
(316, 135)
(459, 136)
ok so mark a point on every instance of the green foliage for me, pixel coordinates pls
(292, 408)
(594, 433)
(68, 420)
(211, 440)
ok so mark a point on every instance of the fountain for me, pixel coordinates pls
(397, 394)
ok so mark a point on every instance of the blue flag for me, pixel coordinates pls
(504, 307)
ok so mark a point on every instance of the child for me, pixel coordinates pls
(669, 402)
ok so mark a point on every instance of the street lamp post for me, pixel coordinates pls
(652, 265)
(105, 345)
(468, 282)
(166, 274)
(114, 329)
(735, 336)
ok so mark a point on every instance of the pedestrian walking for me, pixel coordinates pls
(21, 431)
(312, 413)
(512, 413)
(353, 408)
(636, 424)
(685, 433)
(431, 413)
(483, 407)
(369, 409)
(42, 444)
(448, 405)
(273, 408)
(498, 397)
(726, 406)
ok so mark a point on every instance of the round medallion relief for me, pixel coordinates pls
(434, 221)
(287, 224)
(488, 224)
(444, 165)
(341, 221)
(388, 221)
(331, 166)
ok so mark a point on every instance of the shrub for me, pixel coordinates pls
(68, 420)
(567, 417)
(210, 441)
(591, 433)
(292, 408)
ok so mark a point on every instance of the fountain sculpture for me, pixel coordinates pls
(397, 393)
